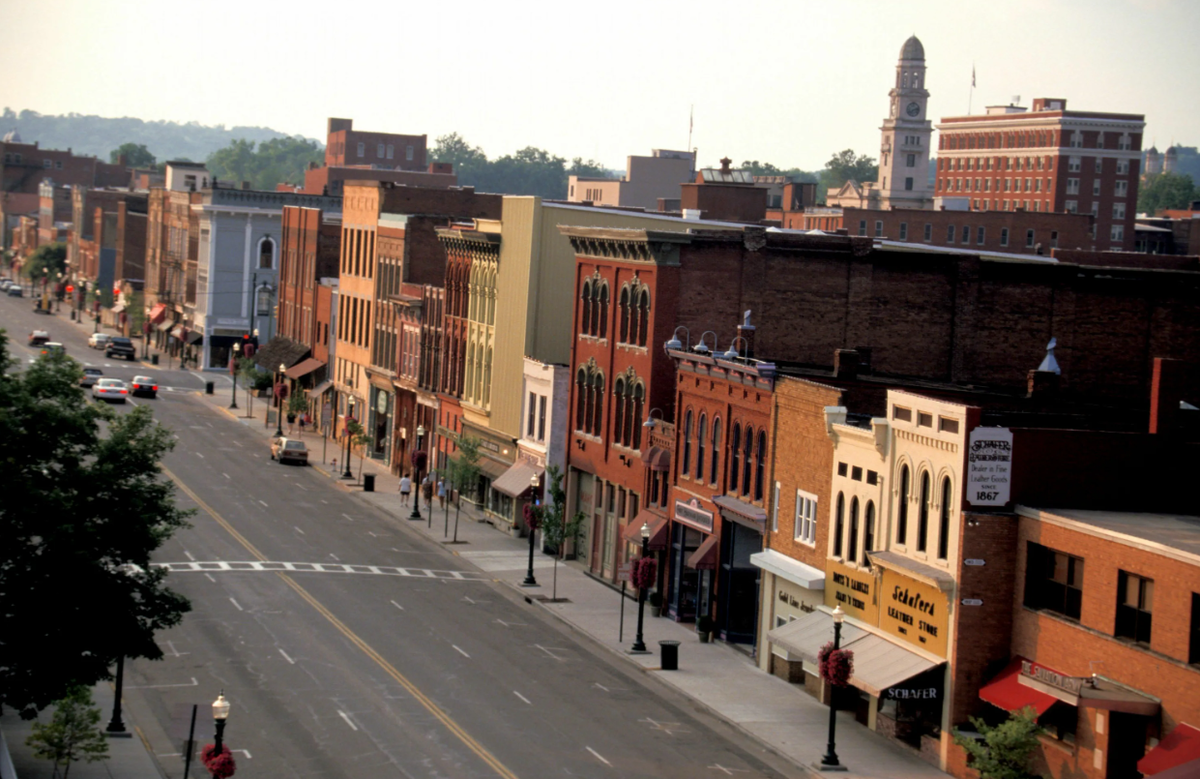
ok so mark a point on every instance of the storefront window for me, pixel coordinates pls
(685, 582)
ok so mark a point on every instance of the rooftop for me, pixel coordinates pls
(1179, 532)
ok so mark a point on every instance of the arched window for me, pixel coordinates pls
(905, 79)
(747, 453)
(685, 464)
(869, 530)
(585, 299)
(598, 409)
(701, 437)
(581, 391)
(716, 450)
(487, 377)
(470, 367)
(839, 525)
(760, 464)
(902, 512)
(643, 317)
(619, 411)
(944, 523)
(624, 315)
(923, 514)
(266, 254)
(735, 454)
(602, 331)
(639, 397)
(590, 403)
(477, 390)
(852, 540)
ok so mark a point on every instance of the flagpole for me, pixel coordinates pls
(691, 120)
(971, 94)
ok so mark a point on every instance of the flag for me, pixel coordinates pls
(972, 76)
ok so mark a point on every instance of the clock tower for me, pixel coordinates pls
(904, 154)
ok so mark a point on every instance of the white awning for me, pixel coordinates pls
(516, 481)
(793, 570)
(805, 636)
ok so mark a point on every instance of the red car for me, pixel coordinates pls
(144, 385)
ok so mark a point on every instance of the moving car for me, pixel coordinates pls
(14, 291)
(38, 337)
(144, 385)
(90, 377)
(52, 347)
(98, 340)
(284, 449)
(110, 389)
(119, 346)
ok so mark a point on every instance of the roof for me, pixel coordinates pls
(912, 49)
(280, 350)
(716, 175)
(1178, 532)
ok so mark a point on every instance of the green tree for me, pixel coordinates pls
(136, 155)
(1004, 750)
(360, 437)
(51, 257)
(557, 528)
(757, 168)
(72, 733)
(277, 161)
(463, 473)
(1166, 190)
(85, 507)
(590, 168)
(454, 149)
(846, 165)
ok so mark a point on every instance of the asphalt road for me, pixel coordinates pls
(394, 657)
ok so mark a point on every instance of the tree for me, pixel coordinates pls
(85, 507)
(72, 734)
(1003, 751)
(359, 437)
(557, 529)
(846, 165)
(591, 168)
(51, 257)
(277, 161)
(136, 155)
(463, 473)
(454, 149)
(1166, 190)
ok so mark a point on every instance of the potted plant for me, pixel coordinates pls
(656, 604)
(263, 382)
(704, 627)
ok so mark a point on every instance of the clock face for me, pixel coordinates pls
(913, 109)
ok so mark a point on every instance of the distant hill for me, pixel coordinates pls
(98, 135)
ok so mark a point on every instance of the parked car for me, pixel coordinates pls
(110, 389)
(5, 284)
(144, 385)
(52, 347)
(90, 377)
(284, 449)
(119, 346)
(98, 340)
(14, 291)
(38, 337)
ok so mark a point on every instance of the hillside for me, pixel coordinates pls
(98, 135)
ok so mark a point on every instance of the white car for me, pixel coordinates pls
(98, 340)
(110, 389)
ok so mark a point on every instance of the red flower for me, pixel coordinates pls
(418, 459)
(835, 666)
(533, 516)
(219, 764)
(642, 572)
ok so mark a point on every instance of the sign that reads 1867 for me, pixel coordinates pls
(989, 466)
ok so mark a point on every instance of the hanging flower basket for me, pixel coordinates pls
(219, 764)
(642, 572)
(836, 666)
(533, 516)
(418, 459)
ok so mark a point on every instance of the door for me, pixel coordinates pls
(1126, 745)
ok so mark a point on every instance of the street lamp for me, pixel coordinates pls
(830, 759)
(233, 368)
(220, 709)
(533, 488)
(279, 402)
(639, 645)
(416, 512)
(346, 423)
(116, 726)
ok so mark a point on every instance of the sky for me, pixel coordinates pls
(787, 82)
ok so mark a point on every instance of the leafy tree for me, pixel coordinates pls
(277, 161)
(589, 168)
(72, 734)
(51, 257)
(454, 149)
(846, 165)
(136, 155)
(360, 437)
(761, 168)
(463, 473)
(556, 527)
(1166, 190)
(1005, 749)
(85, 507)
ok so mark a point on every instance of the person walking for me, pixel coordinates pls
(441, 487)
(427, 491)
(405, 489)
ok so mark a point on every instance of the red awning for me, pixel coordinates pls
(157, 313)
(1006, 691)
(705, 558)
(658, 532)
(1182, 745)
(657, 459)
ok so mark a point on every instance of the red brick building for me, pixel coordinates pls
(26, 165)
(346, 146)
(724, 194)
(310, 244)
(1046, 159)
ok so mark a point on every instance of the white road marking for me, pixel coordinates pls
(547, 651)
(175, 652)
(670, 728)
(512, 624)
(226, 475)
(397, 605)
(601, 686)
(245, 752)
(372, 535)
(298, 530)
(264, 503)
(189, 555)
(335, 557)
(727, 771)
(599, 757)
(347, 516)
(253, 566)
(522, 697)
(301, 486)
(155, 686)
(285, 657)
(200, 455)
(211, 579)
(237, 443)
(235, 603)
(325, 501)
(346, 717)
(464, 654)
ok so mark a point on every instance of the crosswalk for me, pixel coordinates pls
(270, 566)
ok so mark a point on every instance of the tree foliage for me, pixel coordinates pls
(277, 161)
(136, 155)
(1166, 190)
(558, 528)
(1004, 750)
(85, 506)
(72, 733)
(846, 165)
(51, 257)
(463, 472)
(528, 171)
(757, 168)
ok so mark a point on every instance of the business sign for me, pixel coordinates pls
(852, 589)
(989, 466)
(1068, 684)
(914, 611)
(926, 693)
(690, 513)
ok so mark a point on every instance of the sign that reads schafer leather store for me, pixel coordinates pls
(853, 590)
(914, 611)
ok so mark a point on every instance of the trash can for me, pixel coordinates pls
(368, 482)
(669, 652)
(154, 359)
(208, 388)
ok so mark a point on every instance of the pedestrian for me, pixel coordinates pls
(303, 419)
(441, 487)
(405, 488)
(427, 491)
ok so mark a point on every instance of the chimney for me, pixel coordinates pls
(746, 330)
(846, 363)
(725, 163)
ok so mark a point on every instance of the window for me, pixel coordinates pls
(1117, 233)
(902, 512)
(923, 514)
(760, 464)
(1072, 186)
(1118, 210)
(623, 315)
(775, 509)
(379, 152)
(391, 151)
(408, 153)
(878, 228)
(928, 232)
(1053, 580)
(852, 541)
(979, 236)
(1122, 189)
(532, 409)
(716, 450)
(1122, 167)
(685, 463)
(1071, 206)
(735, 441)
(904, 231)
(944, 522)
(950, 234)
(1095, 208)
(266, 254)
(869, 530)
(1124, 143)
(585, 298)
(911, 162)
(58, 164)
(1029, 239)
(362, 149)
(701, 435)
(541, 435)
(747, 451)
(806, 518)
(602, 330)
(839, 526)
(908, 180)
(1096, 188)
(643, 317)
(1076, 140)
(47, 164)
(1135, 602)
(862, 227)
(1074, 164)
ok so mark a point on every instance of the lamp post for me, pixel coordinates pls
(534, 482)
(279, 402)
(57, 299)
(416, 512)
(116, 727)
(830, 759)
(220, 709)
(348, 474)
(233, 369)
(639, 645)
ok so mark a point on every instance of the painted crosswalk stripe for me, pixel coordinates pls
(255, 566)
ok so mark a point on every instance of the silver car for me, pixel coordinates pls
(110, 389)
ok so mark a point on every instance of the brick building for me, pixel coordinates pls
(26, 165)
(309, 249)
(725, 194)
(1046, 159)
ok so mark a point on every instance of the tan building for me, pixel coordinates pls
(647, 179)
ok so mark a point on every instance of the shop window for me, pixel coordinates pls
(839, 525)
(735, 441)
(685, 463)
(902, 512)
(1053, 580)
(716, 449)
(923, 514)
(1135, 602)
(1059, 722)
(852, 539)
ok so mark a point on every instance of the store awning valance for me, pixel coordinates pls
(805, 575)
(177, 333)
(303, 368)
(492, 469)
(657, 459)
(705, 558)
(158, 313)
(194, 337)
(321, 388)
(165, 327)
(1006, 691)
(516, 481)
(805, 636)
(658, 527)
(1180, 749)
(742, 512)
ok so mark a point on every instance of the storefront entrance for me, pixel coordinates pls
(687, 584)
(737, 615)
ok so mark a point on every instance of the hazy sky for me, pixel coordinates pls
(786, 82)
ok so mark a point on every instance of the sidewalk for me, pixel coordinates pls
(776, 714)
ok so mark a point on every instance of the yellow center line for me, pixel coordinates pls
(366, 648)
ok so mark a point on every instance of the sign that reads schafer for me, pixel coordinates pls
(989, 466)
